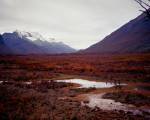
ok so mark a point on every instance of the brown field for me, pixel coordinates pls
(131, 68)
(43, 100)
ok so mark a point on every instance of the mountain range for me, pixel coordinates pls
(132, 37)
(20, 42)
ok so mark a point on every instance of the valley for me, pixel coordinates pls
(75, 60)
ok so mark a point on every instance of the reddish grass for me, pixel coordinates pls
(132, 67)
(42, 100)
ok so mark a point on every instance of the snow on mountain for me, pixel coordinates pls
(29, 35)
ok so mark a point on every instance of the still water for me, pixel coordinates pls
(89, 84)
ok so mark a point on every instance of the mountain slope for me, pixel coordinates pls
(3, 48)
(54, 47)
(132, 37)
(20, 44)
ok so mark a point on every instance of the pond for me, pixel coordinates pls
(89, 84)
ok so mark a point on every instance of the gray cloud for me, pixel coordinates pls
(78, 23)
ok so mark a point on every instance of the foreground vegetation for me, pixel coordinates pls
(29, 102)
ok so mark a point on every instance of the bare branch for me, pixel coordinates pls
(144, 5)
(140, 2)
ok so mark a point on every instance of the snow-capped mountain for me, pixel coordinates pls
(21, 42)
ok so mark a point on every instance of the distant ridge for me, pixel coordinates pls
(131, 38)
(54, 47)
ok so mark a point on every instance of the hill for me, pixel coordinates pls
(130, 38)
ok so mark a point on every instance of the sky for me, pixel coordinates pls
(78, 23)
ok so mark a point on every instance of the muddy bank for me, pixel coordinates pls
(129, 98)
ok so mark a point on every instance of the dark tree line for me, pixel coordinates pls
(145, 4)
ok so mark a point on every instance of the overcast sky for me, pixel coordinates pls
(78, 23)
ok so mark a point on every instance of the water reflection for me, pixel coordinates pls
(89, 84)
(96, 100)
